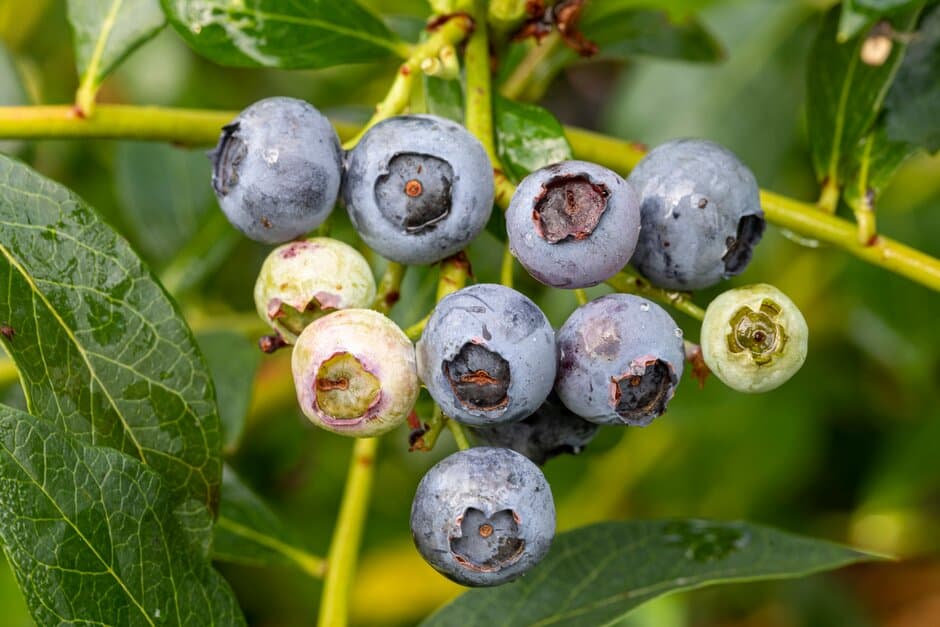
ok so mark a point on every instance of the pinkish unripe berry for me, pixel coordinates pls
(354, 371)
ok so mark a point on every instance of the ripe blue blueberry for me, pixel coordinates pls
(551, 431)
(354, 373)
(487, 355)
(277, 170)
(573, 224)
(701, 214)
(620, 358)
(418, 188)
(483, 516)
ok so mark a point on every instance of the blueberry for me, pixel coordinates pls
(701, 214)
(754, 338)
(551, 431)
(620, 358)
(354, 372)
(487, 355)
(483, 516)
(303, 280)
(573, 224)
(277, 170)
(418, 188)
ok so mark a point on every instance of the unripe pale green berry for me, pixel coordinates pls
(304, 280)
(754, 338)
(354, 371)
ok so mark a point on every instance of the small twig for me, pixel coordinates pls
(450, 33)
(389, 289)
(506, 270)
(628, 282)
(693, 354)
(459, 436)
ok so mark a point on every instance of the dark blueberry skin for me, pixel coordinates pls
(573, 224)
(487, 355)
(418, 188)
(483, 516)
(620, 358)
(701, 214)
(277, 170)
(551, 431)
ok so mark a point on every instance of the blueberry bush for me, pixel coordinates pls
(366, 356)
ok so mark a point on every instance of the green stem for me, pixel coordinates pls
(479, 113)
(629, 283)
(435, 426)
(414, 331)
(505, 16)
(199, 127)
(862, 204)
(805, 219)
(454, 273)
(581, 297)
(347, 536)
(389, 288)
(450, 33)
(829, 196)
(505, 272)
(183, 127)
(459, 436)
(516, 84)
(616, 154)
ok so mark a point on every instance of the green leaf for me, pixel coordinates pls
(106, 31)
(882, 7)
(444, 98)
(621, 30)
(857, 15)
(844, 94)
(233, 360)
(101, 349)
(913, 104)
(852, 21)
(248, 532)
(678, 8)
(161, 217)
(873, 164)
(282, 33)
(597, 574)
(91, 535)
(527, 137)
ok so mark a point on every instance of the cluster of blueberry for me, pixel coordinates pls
(419, 189)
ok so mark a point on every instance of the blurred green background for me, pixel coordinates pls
(847, 450)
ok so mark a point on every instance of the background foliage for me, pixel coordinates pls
(846, 450)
